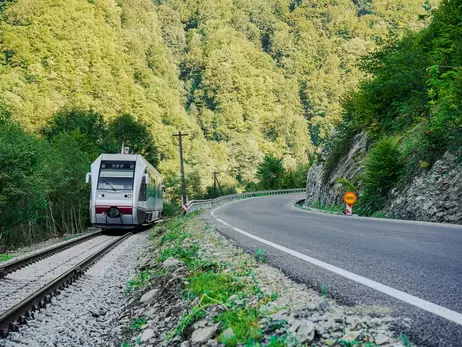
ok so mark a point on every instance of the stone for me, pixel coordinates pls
(305, 332)
(212, 343)
(202, 335)
(381, 339)
(228, 333)
(149, 296)
(352, 335)
(200, 324)
(147, 335)
(172, 264)
(233, 297)
(185, 344)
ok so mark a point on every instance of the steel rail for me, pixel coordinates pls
(12, 266)
(24, 310)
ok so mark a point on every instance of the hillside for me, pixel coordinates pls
(245, 79)
(399, 144)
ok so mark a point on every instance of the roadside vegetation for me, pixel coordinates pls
(410, 106)
(194, 286)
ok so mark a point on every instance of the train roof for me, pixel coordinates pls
(128, 157)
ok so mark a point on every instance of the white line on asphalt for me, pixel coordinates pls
(395, 293)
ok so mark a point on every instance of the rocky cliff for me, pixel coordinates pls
(433, 194)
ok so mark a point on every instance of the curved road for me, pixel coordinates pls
(412, 269)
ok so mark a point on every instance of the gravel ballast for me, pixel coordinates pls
(85, 313)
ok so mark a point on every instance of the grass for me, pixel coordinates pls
(143, 278)
(138, 323)
(215, 287)
(208, 281)
(5, 257)
(324, 290)
(405, 341)
(245, 325)
(260, 255)
(337, 209)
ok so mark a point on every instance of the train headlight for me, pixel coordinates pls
(129, 195)
(100, 196)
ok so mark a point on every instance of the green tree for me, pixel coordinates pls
(270, 172)
(134, 134)
(22, 187)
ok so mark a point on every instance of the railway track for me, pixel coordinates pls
(15, 265)
(39, 292)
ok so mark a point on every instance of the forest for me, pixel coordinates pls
(258, 85)
(410, 107)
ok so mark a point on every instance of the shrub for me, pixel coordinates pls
(384, 167)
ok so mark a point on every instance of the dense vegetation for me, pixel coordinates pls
(247, 79)
(411, 106)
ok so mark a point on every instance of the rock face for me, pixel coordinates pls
(433, 195)
(324, 190)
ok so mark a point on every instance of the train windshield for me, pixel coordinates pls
(116, 175)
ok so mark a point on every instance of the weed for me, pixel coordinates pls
(138, 323)
(260, 255)
(5, 257)
(244, 323)
(324, 290)
(196, 313)
(278, 341)
(216, 287)
(186, 254)
(142, 279)
(345, 343)
(405, 340)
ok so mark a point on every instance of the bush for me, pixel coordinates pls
(270, 172)
(384, 167)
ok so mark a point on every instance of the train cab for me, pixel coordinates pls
(126, 191)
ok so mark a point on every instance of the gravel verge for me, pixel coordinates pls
(197, 288)
(85, 313)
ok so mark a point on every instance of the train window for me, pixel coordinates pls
(110, 179)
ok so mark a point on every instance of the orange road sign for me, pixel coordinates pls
(349, 198)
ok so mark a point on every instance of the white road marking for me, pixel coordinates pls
(395, 293)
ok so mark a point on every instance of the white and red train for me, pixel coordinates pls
(126, 191)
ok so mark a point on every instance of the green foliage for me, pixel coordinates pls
(270, 173)
(185, 254)
(5, 257)
(383, 170)
(346, 185)
(260, 255)
(138, 323)
(416, 81)
(346, 343)
(142, 279)
(324, 290)
(215, 287)
(405, 340)
(245, 325)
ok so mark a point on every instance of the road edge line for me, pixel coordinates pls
(395, 293)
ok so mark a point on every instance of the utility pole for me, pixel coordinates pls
(183, 183)
(215, 181)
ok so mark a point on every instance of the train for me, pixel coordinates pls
(126, 191)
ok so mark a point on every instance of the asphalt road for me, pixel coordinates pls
(420, 259)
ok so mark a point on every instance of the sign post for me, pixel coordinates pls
(349, 198)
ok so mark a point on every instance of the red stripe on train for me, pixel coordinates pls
(123, 209)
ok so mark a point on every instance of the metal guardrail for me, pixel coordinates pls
(196, 205)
